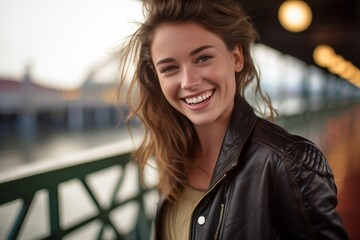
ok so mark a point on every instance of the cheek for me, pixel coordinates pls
(169, 90)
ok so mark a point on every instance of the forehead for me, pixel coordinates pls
(184, 36)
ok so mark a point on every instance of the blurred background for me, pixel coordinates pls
(58, 79)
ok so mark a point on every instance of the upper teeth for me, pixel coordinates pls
(198, 99)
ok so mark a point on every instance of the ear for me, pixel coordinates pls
(238, 58)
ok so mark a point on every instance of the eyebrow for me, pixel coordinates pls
(196, 51)
(192, 53)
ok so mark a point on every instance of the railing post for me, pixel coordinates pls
(21, 217)
(54, 212)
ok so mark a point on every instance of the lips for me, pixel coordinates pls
(199, 98)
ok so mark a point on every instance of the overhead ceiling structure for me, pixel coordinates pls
(334, 22)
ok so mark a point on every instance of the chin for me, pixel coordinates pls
(201, 121)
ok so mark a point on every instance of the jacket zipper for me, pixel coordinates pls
(220, 221)
(191, 221)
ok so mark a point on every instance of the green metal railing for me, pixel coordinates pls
(48, 177)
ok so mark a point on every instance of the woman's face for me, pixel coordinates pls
(196, 71)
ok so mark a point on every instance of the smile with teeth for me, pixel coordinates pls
(199, 99)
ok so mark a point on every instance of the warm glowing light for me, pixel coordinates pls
(349, 70)
(337, 64)
(355, 79)
(323, 55)
(326, 57)
(295, 15)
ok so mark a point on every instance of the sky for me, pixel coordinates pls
(62, 40)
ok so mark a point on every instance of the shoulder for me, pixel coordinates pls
(275, 137)
(302, 184)
(294, 151)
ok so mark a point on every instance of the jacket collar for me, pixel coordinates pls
(241, 124)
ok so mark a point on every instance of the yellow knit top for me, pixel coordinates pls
(177, 216)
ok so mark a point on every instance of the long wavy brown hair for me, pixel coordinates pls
(169, 137)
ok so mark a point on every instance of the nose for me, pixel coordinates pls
(190, 79)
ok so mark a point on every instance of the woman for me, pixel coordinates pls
(225, 173)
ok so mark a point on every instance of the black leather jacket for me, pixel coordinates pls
(267, 184)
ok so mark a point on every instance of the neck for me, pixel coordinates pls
(210, 139)
(211, 135)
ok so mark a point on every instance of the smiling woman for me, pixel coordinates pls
(225, 172)
(61, 40)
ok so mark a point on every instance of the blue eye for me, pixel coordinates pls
(203, 59)
(168, 69)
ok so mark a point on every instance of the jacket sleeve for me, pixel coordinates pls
(305, 195)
